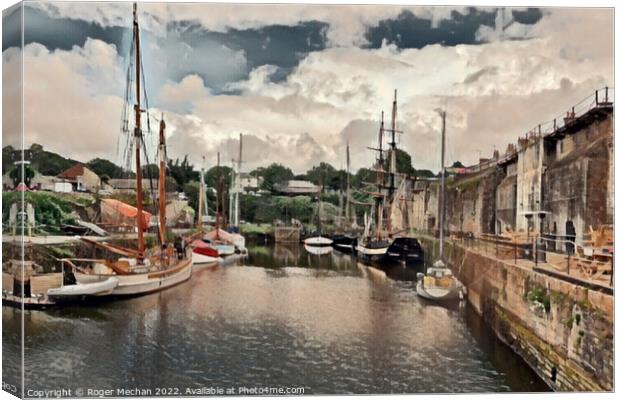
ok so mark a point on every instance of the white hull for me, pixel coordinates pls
(318, 250)
(202, 259)
(225, 249)
(381, 251)
(318, 241)
(437, 293)
(143, 283)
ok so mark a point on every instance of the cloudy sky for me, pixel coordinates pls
(299, 81)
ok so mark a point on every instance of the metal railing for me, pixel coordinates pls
(565, 264)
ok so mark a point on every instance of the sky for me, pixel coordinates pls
(300, 81)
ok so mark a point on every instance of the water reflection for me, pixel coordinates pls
(279, 317)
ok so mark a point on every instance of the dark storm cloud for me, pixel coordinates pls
(57, 33)
(187, 48)
(409, 31)
(279, 45)
(11, 27)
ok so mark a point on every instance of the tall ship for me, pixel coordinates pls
(373, 245)
(140, 270)
(383, 241)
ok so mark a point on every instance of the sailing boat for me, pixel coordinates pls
(203, 252)
(346, 242)
(218, 238)
(374, 244)
(137, 271)
(319, 240)
(439, 284)
(403, 249)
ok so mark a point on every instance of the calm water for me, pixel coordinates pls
(279, 318)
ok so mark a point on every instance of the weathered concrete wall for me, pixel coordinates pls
(529, 163)
(562, 330)
(577, 185)
(506, 203)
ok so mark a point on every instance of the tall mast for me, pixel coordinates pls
(392, 167)
(393, 147)
(218, 199)
(348, 204)
(162, 180)
(380, 185)
(380, 166)
(231, 193)
(138, 138)
(238, 182)
(442, 205)
(201, 193)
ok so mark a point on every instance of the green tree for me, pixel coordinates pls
(103, 167)
(150, 171)
(182, 171)
(363, 176)
(275, 174)
(403, 163)
(191, 190)
(457, 164)
(424, 173)
(213, 173)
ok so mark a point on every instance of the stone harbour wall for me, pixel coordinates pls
(563, 330)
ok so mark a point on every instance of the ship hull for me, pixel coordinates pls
(143, 283)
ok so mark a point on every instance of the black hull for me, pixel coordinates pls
(344, 243)
(406, 250)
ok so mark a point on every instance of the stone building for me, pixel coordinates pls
(560, 182)
(81, 178)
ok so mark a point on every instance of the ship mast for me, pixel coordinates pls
(162, 180)
(138, 138)
(238, 181)
(392, 166)
(380, 185)
(348, 205)
(442, 204)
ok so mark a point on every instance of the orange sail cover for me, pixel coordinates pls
(116, 212)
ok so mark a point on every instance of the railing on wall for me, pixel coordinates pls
(565, 259)
(600, 98)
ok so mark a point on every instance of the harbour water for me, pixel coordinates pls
(278, 318)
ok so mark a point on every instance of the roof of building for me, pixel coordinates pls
(74, 171)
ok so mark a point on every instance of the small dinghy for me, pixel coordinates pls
(318, 241)
(438, 284)
(318, 250)
(83, 289)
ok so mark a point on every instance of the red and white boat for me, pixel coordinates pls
(203, 253)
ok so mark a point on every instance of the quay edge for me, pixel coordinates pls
(569, 344)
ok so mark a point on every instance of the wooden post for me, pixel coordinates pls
(596, 96)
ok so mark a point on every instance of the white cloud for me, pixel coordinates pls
(347, 23)
(493, 93)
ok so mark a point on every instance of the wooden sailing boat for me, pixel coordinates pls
(439, 284)
(374, 243)
(345, 241)
(403, 248)
(203, 252)
(137, 271)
